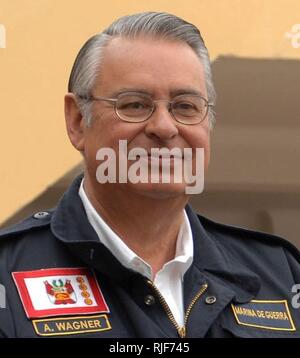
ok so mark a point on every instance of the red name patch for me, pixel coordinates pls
(59, 291)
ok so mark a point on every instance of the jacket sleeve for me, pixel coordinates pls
(294, 264)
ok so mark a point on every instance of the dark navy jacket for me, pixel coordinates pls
(239, 285)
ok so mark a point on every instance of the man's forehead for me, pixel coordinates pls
(150, 66)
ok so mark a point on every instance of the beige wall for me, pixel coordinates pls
(256, 68)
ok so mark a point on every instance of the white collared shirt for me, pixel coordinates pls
(169, 280)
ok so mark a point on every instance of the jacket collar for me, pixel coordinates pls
(215, 262)
(70, 225)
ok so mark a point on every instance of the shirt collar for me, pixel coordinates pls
(128, 258)
(70, 225)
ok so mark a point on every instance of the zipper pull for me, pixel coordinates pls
(182, 332)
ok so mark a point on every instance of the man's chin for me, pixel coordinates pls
(159, 190)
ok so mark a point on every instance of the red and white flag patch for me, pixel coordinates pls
(59, 291)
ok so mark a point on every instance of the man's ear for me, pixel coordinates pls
(74, 122)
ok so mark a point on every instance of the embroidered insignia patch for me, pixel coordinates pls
(274, 315)
(59, 291)
(71, 325)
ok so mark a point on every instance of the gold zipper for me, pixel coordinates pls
(181, 330)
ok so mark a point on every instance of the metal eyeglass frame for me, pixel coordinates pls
(115, 100)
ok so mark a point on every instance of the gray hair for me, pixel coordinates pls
(86, 68)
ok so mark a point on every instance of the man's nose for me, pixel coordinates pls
(161, 124)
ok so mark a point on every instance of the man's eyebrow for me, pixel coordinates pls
(126, 90)
(180, 91)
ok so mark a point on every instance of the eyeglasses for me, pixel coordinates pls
(135, 107)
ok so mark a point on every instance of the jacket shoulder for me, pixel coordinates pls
(38, 220)
(243, 235)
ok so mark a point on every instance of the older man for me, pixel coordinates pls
(123, 255)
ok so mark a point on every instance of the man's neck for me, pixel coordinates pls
(148, 226)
